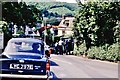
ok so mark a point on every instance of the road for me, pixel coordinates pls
(69, 66)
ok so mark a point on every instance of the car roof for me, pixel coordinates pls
(26, 40)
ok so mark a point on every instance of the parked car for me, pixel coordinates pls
(25, 58)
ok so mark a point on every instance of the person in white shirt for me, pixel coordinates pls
(56, 47)
(60, 43)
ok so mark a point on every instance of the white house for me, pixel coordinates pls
(65, 26)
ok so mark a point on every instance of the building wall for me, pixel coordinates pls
(60, 31)
(66, 25)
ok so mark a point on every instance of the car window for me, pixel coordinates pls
(25, 47)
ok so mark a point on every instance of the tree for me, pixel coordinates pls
(97, 23)
(20, 14)
(69, 15)
(53, 21)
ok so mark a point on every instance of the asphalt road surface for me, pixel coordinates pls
(69, 66)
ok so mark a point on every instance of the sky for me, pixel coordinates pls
(68, 1)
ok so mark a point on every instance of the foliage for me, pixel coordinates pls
(20, 12)
(2, 23)
(54, 8)
(95, 21)
(79, 50)
(96, 26)
(20, 32)
(49, 37)
(60, 10)
(105, 52)
(53, 21)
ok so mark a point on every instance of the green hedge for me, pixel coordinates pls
(105, 52)
(79, 50)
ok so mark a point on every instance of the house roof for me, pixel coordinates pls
(70, 19)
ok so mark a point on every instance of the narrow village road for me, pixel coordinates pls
(69, 66)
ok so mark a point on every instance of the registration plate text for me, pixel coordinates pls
(21, 66)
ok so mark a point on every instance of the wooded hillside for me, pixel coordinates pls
(56, 9)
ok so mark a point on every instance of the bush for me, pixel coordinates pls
(113, 52)
(105, 52)
(91, 52)
(79, 50)
(76, 50)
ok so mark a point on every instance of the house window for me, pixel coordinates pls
(63, 31)
(66, 23)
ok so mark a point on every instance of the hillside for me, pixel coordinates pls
(50, 5)
(61, 10)
(56, 9)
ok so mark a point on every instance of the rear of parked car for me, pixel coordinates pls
(22, 62)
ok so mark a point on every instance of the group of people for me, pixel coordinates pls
(64, 46)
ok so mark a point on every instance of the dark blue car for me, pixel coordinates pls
(25, 58)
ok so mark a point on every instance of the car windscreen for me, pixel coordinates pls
(28, 47)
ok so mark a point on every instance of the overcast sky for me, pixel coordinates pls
(68, 1)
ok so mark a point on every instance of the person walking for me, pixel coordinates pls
(60, 43)
(68, 46)
(56, 47)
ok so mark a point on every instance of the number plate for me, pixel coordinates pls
(21, 66)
